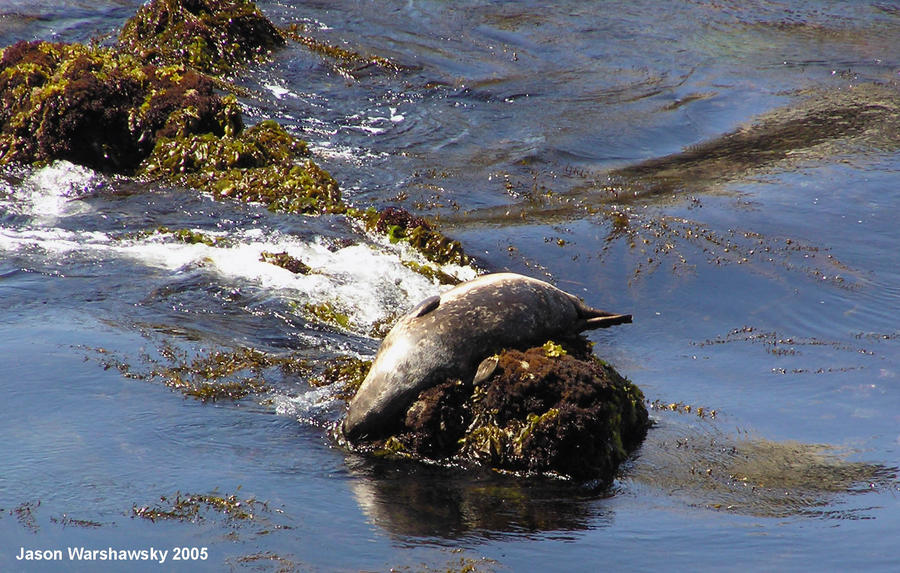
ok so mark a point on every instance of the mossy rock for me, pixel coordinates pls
(544, 411)
(285, 261)
(398, 224)
(96, 107)
(213, 36)
(258, 164)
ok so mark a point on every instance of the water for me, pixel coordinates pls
(767, 291)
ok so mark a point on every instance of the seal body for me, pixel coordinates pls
(447, 337)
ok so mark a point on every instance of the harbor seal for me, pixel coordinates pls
(453, 336)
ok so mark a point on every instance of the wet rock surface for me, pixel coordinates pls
(545, 410)
(209, 35)
(96, 107)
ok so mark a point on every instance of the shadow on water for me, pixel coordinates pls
(818, 126)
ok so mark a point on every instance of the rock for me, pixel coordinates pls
(96, 107)
(213, 36)
(543, 411)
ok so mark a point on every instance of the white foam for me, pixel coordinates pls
(367, 281)
(396, 117)
(363, 281)
(53, 191)
(305, 405)
(376, 124)
(51, 241)
(278, 91)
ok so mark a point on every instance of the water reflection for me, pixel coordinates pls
(699, 466)
(410, 499)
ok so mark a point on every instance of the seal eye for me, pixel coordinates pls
(426, 306)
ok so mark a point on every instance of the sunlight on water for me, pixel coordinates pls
(52, 192)
(727, 173)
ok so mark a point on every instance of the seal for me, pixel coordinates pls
(455, 335)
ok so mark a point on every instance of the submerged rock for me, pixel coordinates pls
(544, 410)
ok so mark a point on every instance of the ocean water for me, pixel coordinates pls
(642, 155)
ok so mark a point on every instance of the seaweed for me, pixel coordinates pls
(682, 408)
(191, 507)
(263, 558)
(285, 261)
(189, 236)
(258, 165)
(347, 371)
(212, 377)
(24, 513)
(209, 376)
(432, 273)
(398, 224)
(347, 62)
(213, 36)
(67, 521)
(326, 312)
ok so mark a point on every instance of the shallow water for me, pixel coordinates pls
(766, 290)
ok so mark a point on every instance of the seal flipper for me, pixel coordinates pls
(607, 320)
(591, 318)
(425, 306)
(485, 369)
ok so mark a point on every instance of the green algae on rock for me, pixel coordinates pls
(545, 411)
(96, 107)
(213, 36)
(398, 224)
(109, 110)
(285, 261)
(257, 164)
